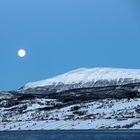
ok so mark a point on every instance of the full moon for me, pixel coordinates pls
(21, 53)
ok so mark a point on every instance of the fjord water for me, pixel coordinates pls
(71, 135)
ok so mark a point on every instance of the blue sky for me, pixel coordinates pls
(61, 35)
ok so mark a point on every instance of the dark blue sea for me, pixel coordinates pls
(72, 135)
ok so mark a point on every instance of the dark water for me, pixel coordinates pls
(72, 135)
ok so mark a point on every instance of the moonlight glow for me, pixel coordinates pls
(21, 53)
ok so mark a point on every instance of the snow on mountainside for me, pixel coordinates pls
(45, 114)
(97, 98)
(87, 77)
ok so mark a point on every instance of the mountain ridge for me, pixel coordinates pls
(86, 78)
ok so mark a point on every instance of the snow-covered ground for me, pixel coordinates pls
(42, 114)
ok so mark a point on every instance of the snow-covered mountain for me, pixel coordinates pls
(85, 78)
(97, 98)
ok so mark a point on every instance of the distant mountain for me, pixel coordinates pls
(96, 98)
(85, 78)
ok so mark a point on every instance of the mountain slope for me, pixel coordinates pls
(32, 112)
(85, 78)
(98, 98)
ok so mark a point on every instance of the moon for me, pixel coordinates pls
(21, 53)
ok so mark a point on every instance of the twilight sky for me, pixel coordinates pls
(61, 35)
